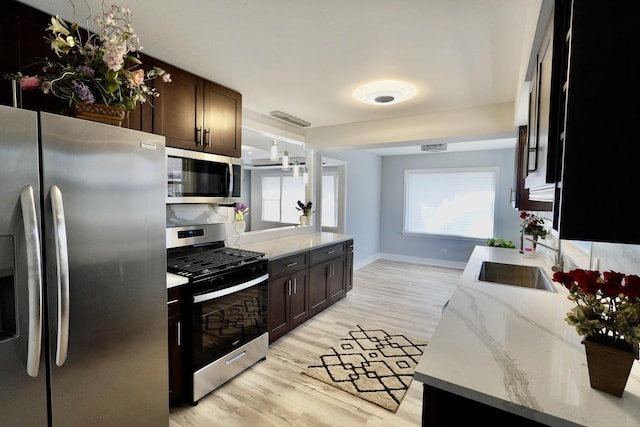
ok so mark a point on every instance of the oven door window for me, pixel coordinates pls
(197, 178)
(223, 324)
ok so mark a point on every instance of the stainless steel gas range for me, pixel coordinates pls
(224, 306)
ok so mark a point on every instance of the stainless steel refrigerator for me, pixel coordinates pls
(83, 314)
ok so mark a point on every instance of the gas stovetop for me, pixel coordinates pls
(210, 261)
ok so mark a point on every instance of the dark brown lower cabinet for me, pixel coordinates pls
(319, 289)
(444, 409)
(348, 267)
(305, 283)
(288, 302)
(175, 344)
(327, 284)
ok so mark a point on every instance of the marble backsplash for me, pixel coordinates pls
(617, 257)
(194, 214)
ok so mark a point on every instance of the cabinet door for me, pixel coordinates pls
(175, 357)
(348, 273)
(23, 45)
(299, 310)
(175, 343)
(335, 280)
(178, 110)
(222, 120)
(141, 118)
(539, 107)
(600, 157)
(278, 313)
(318, 288)
(520, 199)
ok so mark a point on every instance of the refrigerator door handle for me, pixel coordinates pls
(62, 272)
(34, 279)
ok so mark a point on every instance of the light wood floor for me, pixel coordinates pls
(401, 297)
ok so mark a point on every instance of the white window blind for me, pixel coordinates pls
(271, 198)
(329, 199)
(292, 191)
(280, 195)
(451, 202)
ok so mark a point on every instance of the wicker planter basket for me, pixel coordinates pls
(100, 113)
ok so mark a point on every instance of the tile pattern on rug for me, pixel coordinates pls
(371, 363)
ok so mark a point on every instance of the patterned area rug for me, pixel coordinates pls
(371, 363)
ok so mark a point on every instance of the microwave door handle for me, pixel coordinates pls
(230, 180)
(62, 273)
(34, 279)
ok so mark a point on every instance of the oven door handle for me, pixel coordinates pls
(222, 292)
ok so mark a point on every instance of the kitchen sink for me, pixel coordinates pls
(516, 275)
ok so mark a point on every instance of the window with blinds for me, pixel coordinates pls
(280, 195)
(450, 202)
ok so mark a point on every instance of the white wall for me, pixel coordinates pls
(363, 203)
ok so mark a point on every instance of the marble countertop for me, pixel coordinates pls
(175, 280)
(277, 248)
(509, 347)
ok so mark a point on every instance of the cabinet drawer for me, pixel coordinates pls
(173, 301)
(327, 252)
(289, 264)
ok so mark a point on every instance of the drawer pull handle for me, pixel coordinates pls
(173, 301)
(330, 252)
(291, 264)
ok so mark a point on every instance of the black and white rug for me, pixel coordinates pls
(371, 363)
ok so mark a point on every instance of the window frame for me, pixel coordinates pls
(408, 172)
(281, 175)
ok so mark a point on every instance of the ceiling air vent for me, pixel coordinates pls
(433, 148)
(290, 119)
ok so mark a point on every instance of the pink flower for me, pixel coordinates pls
(29, 83)
(114, 54)
(137, 77)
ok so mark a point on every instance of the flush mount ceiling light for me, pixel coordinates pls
(386, 92)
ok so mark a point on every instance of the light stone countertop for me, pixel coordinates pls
(175, 280)
(277, 248)
(510, 347)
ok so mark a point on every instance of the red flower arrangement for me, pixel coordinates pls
(533, 225)
(607, 307)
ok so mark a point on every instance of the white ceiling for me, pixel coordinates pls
(306, 57)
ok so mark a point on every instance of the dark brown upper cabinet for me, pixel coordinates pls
(520, 195)
(23, 45)
(196, 114)
(593, 120)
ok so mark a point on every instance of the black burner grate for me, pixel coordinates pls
(210, 261)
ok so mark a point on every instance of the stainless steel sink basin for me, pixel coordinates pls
(516, 275)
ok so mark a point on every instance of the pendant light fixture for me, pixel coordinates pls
(285, 160)
(274, 151)
(296, 169)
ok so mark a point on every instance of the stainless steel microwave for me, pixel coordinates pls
(197, 177)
